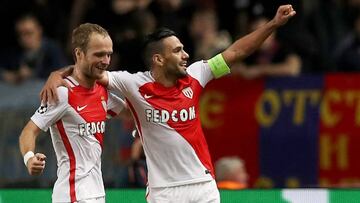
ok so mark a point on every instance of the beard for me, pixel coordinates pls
(176, 72)
(181, 74)
(98, 71)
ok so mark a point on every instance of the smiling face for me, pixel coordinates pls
(95, 59)
(174, 58)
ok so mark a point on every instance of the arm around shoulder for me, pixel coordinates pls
(56, 79)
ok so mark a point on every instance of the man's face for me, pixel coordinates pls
(96, 59)
(175, 58)
(29, 34)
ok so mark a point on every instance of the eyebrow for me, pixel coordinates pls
(178, 48)
(103, 52)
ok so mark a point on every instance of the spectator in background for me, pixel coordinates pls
(131, 169)
(173, 14)
(128, 21)
(327, 21)
(38, 55)
(347, 52)
(137, 169)
(207, 39)
(273, 58)
(231, 173)
(128, 39)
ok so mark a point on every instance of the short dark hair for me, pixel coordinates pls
(152, 45)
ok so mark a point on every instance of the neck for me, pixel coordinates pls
(161, 78)
(82, 78)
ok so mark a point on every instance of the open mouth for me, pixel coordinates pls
(183, 64)
(101, 68)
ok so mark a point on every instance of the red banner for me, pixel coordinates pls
(339, 135)
(227, 113)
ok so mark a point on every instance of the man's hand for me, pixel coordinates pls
(283, 14)
(36, 164)
(48, 92)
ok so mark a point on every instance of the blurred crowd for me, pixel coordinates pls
(323, 37)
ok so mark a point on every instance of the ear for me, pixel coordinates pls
(158, 59)
(77, 52)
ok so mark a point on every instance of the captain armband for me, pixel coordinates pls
(218, 66)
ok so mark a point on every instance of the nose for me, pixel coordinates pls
(185, 55)
(106, 59)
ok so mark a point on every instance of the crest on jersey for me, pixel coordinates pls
(188, 92)
(42, 109)
(103, 102)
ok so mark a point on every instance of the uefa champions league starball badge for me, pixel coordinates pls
(42, 109)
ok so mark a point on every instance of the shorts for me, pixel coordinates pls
(204, 192)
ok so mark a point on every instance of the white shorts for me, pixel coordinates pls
(204, 192)
(90, 200)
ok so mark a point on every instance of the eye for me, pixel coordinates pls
(177, 49)
(102, 54)
(98, 54)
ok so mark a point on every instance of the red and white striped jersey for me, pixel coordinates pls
(169, 125)
(77, 126)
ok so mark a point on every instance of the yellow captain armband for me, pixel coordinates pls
(218, 66)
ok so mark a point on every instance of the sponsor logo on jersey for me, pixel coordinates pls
(146, 96)
(163, 116)
(188, 92)
(87, 129)
(80, 108)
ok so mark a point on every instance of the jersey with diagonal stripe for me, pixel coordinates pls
(77, 126)
(168, 123)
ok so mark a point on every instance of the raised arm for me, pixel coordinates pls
(35, 163)
(246, 45)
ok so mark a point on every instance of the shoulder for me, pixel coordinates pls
(201, 71)
(198, 63)
(62, 93)
(125, 76)
(197, 66)
(118, 72)
(126, 73)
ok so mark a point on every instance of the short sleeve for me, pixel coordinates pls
(201, 71)
(114, 105)
(48, 114)
(117, 80)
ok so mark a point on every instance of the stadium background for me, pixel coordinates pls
(292, 132)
